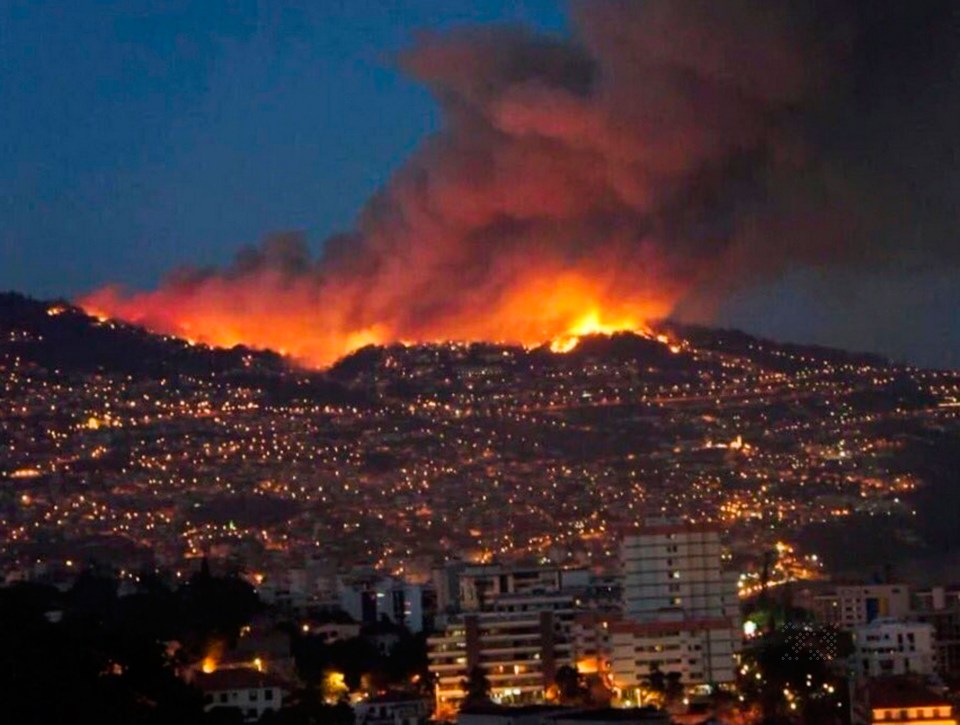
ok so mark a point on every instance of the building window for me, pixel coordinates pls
(268, 694)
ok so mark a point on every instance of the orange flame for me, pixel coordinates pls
(554, 309)
(572, 188)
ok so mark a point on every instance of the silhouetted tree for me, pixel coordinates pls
(570, 686)
(673, 687)
(656, 680)
(477, 687)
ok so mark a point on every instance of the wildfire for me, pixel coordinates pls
(571, 188)
(592, 324)
(556, 309)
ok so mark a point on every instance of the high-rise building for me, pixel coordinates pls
(680, 607)
(673, 570)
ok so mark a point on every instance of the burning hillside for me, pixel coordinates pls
(662, 155)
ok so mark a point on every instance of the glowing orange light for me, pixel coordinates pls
(536, 307)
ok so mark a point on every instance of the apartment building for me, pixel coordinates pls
(680, 607)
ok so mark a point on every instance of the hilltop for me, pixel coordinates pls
(135, 442)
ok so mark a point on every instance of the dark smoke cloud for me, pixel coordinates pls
(669, 153)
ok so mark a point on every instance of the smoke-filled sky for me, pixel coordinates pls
(314, 176)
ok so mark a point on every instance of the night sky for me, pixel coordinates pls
(134, 140)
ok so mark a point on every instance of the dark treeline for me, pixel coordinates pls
(95, 654)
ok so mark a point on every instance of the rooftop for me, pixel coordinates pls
(897, 692)
(236, 679)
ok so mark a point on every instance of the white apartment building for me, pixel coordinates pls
(891, 647)
(680, 607)
(854, 605)
(673, 570)
(701, 651)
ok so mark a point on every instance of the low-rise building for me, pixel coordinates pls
(898, 701)
(852, 605)
(556, 715)
(888, 647)
(251, 692)
(392, 709)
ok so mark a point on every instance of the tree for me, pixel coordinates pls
(673, 689)
(477, 687)
(787, 675)
(570, 686)
(656, 680)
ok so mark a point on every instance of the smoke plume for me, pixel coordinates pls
(666, 153)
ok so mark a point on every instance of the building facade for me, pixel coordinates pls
(680, 607)
(888, 647)
(518, 651)
(249, 691)
(854, 605)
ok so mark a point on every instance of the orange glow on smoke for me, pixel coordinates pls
(555, 309)
(571, 188)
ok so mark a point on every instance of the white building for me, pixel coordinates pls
(853, 605)
(555, 715)
(892, 647)
(251, 692)
(673, 570)
(701, 651)
(680, 607)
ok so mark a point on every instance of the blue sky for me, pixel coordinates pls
(138, 135)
